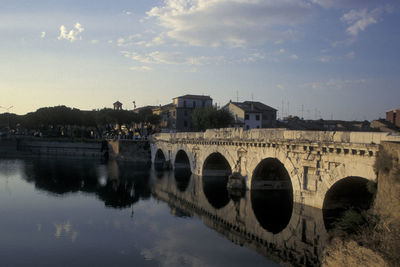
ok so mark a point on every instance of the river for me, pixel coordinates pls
(79, 212)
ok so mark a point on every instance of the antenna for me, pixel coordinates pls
(302, 111)
(288, 112)
(237, 96)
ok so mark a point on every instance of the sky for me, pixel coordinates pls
(331, 59)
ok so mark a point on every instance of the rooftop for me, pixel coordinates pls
(205, 97)
(253, 106)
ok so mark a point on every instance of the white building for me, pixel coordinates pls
(252, 114)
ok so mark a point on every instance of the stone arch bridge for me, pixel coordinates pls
(311, 162)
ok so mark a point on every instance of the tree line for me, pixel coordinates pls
(66, 121)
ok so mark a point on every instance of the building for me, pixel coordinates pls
(393, 116)
(117, 105)
(252, 114)
(178, 115)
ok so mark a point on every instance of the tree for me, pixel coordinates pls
(211, 118)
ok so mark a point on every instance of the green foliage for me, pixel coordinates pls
(211, 118)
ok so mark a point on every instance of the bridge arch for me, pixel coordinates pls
(352, 192)
(182, 160)
(216, 170)
(272, 195)
(160, 160)
(216, 164)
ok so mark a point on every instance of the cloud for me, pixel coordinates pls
(73, 34)
(171, 58)
(94, 41)
(141, 68)
(124, 42)
(359, 20)
(229, 22)
(344, 3)
(324, 58)
(334, 85)
(43, 34)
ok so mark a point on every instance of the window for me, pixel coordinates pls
(257, 117)
(184, 103)
(247, 127)
(258, 127)
(246, 117)
(185, 124)
(194, 104)
(185, 113)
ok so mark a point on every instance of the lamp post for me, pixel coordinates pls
(8, 114)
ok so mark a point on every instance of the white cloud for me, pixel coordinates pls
(359, 20)
(344, 3)
(170, 58)
(94, 41)
(73, 34)
(324, 59)
(43, 34)
(229, 22)
(124, 42)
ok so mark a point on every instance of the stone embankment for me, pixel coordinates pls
(137, 151)
(378, 242)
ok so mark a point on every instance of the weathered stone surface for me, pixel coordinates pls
(328, 156)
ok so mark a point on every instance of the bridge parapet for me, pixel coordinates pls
(262, 135)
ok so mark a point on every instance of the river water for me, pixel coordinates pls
(75, 212)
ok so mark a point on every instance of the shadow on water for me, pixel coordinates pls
(272, 208)
(118, 185)
(182, 178)
(215, 190)
(272, 195)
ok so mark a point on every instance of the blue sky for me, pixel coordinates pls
(317, 58)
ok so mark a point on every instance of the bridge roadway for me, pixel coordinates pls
(313, 161)
(299, 241)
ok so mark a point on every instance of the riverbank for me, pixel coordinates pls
(137, 151)
(374, 236)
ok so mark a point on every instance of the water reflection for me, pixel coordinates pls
(215, 190)
(251, 220)
(267, 223)
(272, 208)
(118, 185)
(182, 178)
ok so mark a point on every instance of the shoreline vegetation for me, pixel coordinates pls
(371, 237)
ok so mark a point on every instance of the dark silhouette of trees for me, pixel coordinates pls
(211, 117)
(65, 121)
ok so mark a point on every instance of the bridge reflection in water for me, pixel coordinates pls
(263, 221)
